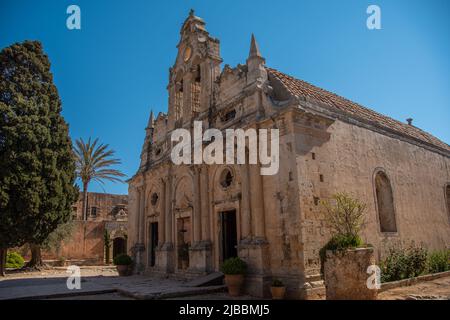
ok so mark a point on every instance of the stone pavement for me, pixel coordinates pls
(52, 284)
(437, 289)
(103, 283)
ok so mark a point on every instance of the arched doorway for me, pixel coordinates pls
(119, 246)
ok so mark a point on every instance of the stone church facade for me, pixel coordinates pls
(186, 219)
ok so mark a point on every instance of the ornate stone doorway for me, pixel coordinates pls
(228, 234)
(119, 246)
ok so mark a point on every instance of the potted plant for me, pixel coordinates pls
(123, 264)
(183, 254)
(277, 289)
(234, 270)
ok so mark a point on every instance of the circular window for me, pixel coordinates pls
(226, 178)
(154, 199)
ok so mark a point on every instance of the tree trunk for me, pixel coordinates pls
(3, 252)
(36, 257)
(85, 199)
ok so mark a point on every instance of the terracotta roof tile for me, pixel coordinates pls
(304, 89)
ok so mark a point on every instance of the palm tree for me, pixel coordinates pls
(93, 163)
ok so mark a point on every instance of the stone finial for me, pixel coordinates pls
(255, 64)
(254, 49)
(191, 12)
(150, 120)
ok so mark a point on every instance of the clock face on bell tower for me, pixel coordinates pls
(187, 54)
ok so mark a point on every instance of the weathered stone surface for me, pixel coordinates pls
(346, 275)
(324, 149)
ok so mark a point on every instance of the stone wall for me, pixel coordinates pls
(86, 243)
(87, 240)
(344, 158)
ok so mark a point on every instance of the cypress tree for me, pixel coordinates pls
(37, 168)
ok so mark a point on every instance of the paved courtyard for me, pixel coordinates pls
(103, 283)
(100, 281)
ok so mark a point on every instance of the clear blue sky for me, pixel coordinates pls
(115, 69)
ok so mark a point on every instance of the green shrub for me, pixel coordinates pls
(403, 263)
(277, 283)
(438, 261)
(14, 260)
(339, 242)
(123, 260)
(234, 266)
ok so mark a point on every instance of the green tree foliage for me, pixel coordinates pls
(93, 163)
(37, 168)
(344, 216)
(62, 234)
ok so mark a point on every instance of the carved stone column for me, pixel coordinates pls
(257, 202)
(197, 208)
(162, 216)
(255, 252)
(165, 259)
(204, 195)
(139, 246)
(245, 207)
(142, 215)
(200, 257)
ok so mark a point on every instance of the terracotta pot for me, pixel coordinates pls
(278, 292)
(234, 283)
(122, 269)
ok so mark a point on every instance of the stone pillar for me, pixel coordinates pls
(204, 195)
(200, 257)
(245, 208)
(162, 216)
(137, 210)
(139, 245)
(196, 225)
(142, 216)
(257, 202)
(168, 209)
(165, 258)
(256, 251)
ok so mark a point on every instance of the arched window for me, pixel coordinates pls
(385, 203)
(154, 199)
(226, 178)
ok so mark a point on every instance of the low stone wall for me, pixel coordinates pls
(412, 281)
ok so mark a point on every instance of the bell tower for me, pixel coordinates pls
(191, 78)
